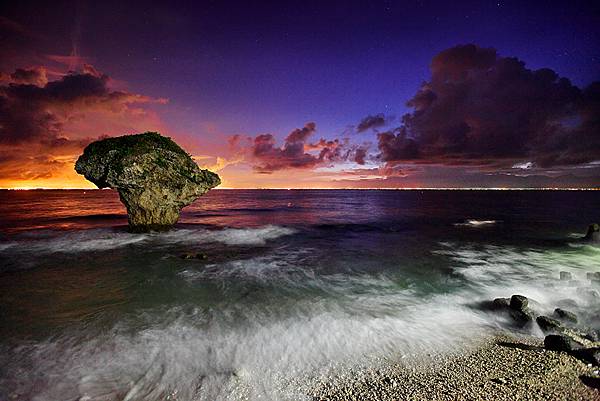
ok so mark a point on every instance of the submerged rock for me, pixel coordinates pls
(194, 255)
(155, 178)
(567, 303)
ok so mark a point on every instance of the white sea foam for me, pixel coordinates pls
(106, 239)
(476, 223)
(228, 236)
(6, 245)
(218, 359)
(495, 271)
(268, 350)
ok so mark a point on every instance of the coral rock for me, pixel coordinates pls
(155, 178)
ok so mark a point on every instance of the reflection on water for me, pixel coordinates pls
(294, 284)
(48, 299)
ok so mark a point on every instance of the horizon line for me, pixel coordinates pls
(338, 189)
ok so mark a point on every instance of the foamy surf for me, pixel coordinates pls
(476, 223)
(107, 239)
(319, 325)
(203, 356)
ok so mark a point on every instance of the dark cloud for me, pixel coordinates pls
(33, 109)
(301, 134)
(43, 125)
(481, 108)
(371, 122)
(438, 176)
(360, 155)
(296, 151)
(396, 145)
(34, 76)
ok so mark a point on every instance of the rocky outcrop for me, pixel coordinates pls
(155, 178)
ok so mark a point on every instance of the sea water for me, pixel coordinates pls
(290, 288)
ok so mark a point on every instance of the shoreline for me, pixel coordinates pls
(502, 367)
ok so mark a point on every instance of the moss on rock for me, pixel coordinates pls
(155, 177)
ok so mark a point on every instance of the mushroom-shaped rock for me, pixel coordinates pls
(155, 178)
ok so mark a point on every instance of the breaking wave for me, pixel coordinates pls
(476, 223)
(290, 327)
(106, 239)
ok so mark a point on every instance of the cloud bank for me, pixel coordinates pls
(44, 124)
(484, 109)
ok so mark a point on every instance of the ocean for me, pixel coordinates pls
(263, 293)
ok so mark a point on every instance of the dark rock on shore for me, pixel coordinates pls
(566, 276)
(155, 178)
(589, 355)
(548, 324)
(593, 275)
(522, 317)
(519, 310)
(500, 303)
(565, 315)
(516, 307)
(519, 302)
(560, 342)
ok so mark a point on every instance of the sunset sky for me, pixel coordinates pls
(373, 94)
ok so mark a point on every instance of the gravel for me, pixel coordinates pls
(502, 368)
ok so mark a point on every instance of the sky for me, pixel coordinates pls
(371, 94)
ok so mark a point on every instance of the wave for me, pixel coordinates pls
(476, 223)
(501, 271)
(227, 236)
(268, 351)
(281, 323)
(50, 242)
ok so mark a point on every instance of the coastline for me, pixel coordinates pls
(502, 367)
